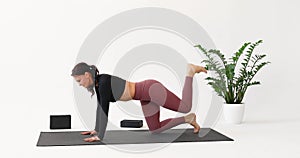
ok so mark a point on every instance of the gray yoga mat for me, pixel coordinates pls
(71, 138)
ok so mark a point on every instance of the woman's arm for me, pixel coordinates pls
(102, 110)
(102, 117)
(101, 121)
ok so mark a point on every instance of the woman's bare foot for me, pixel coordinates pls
(192, 69)
(191, 119)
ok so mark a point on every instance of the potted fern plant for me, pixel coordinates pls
(232, 84)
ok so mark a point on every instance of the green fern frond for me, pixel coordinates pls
(219, 54)
(237, 55)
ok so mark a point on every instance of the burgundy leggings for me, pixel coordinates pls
(153, 94)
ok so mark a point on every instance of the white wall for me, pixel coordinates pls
(40, 41)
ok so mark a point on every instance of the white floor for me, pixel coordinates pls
(262, 134)
(253, 138)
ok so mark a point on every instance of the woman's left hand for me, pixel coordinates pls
(92, 139)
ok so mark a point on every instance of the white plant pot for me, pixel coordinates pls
(233, 113)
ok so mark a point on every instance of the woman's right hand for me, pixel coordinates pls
(93, 132)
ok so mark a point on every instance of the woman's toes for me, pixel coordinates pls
(203, 69)
(194, 123)
(196, 128)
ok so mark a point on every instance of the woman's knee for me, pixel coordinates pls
(154, 130)
(184, 108)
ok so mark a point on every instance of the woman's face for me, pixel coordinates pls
(84, 80)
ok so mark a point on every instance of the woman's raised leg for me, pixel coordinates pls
(161, 95)
(156, 94)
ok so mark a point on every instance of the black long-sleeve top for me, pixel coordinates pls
(109, 89)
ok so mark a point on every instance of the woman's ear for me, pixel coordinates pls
(87, 75)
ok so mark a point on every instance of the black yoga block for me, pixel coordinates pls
(60, 121)
(132, 123)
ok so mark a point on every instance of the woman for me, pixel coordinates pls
(151, 93)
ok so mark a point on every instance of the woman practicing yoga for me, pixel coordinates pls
(151, 93)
